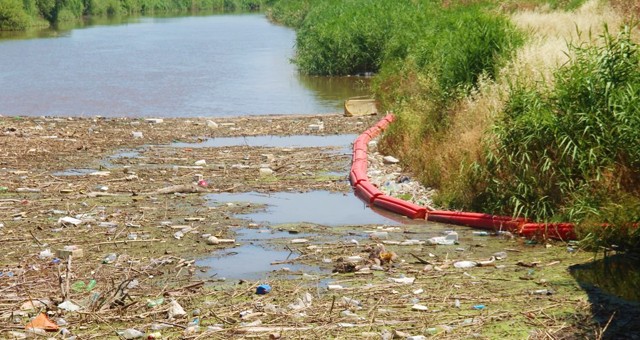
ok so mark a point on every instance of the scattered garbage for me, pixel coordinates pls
(478, 307)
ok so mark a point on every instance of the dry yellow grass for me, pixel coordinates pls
(551, 32)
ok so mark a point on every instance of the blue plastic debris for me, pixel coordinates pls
(263, 289)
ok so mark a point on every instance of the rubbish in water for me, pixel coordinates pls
(69, 306)
(212, 240)
(200, 162)
(131, 333)
(175, 310)
(390, 160)
(45, 254)
(299, 240)
(481, 233)
(155, 302)
(69, 220)
(450, 239)
(136, 134)
(71, 250)
(266, 171)
(419, 307)
(500, 255)
(28, 190)
(110, 258)
(203, 183)
(403, 280)
(478, 307)
(263, 289)
(457, 303)
(465, 264)
(542, 292)
(42, 322)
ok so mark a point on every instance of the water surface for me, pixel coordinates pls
(217, 65)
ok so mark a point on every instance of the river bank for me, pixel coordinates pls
(125, 193)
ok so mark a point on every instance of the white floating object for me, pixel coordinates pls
(69, 220)
(136, 134)
(299, 240)
(200, 162)
(419, 307)
(211, 124)
(69, 306)
(266, 171)
(154, 120)
(390, 160)
(175, 310)
(465, 264)
(403, 280)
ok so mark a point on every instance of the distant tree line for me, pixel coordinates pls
(17, 15)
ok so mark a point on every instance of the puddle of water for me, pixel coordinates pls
(299, 141)
(125, 154)
(616, 275)
(319, 207)
(74, 172)
(250, 262)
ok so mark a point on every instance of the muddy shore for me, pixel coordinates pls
(130, 201)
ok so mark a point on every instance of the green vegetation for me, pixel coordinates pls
(19, 15)
(566, 150)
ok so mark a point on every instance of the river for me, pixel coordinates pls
(194, 66)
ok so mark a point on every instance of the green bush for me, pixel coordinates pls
(12, 16)
(564, 152)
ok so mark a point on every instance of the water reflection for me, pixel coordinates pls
(613, 287)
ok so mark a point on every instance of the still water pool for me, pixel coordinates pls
(216, 65)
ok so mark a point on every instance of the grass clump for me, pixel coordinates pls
(566, 150)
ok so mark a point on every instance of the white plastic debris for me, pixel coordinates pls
(450, 239)
(200, 162)
(419, 307)
(212, 240)
(211, 124)
(390, 160)
(299, 240)
(69, 220)
(69, 306)
(136, 134)
(45, 254)
(131, 333)
(465, 264)
(403, 280)
(175, 310)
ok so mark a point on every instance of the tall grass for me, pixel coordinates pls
(564, 151)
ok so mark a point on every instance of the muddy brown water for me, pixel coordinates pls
(214, 65)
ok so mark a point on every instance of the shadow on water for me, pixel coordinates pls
(613, 286)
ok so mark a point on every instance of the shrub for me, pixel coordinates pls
(12, 16)
(563, 152)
